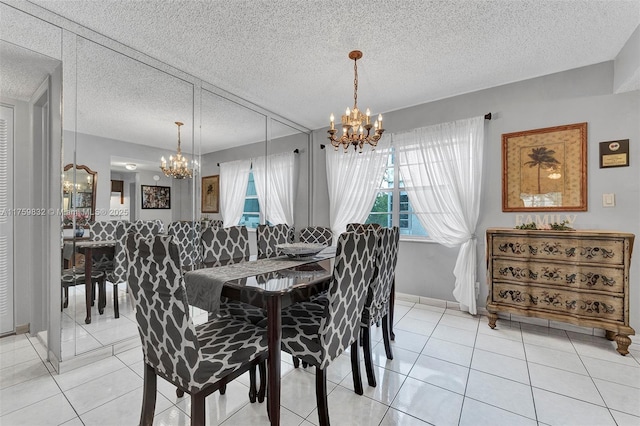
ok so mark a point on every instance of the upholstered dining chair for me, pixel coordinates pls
(104, 230)
(362, 227)
(377, 304)
(75, 276)
(316, 235)
(197, 359)
(187, 235)
(319, 333)
(268, 236)
(221, 246)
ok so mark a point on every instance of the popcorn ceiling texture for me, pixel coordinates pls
(290, 56)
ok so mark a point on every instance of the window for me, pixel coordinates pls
(251, 211)
(387, 213)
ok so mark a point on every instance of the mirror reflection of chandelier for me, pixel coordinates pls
(178, 166)
(356, 127)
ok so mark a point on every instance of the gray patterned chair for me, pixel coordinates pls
(268, 236)
(197, 359)
(319, 333)
(102, 231)
(119, 273)
(316, 235)
(75, 276)
(187, 235)
(362, 227)
(377, 305)
(221, 246)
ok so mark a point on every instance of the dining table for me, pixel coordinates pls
(270, 284)
(90, 248)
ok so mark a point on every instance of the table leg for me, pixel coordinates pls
(392, 307)
(274, 335)
(88, 285)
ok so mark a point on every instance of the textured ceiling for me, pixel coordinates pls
(290, 56)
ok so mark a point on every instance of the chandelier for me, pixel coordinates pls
(356, 127)
(178, 167)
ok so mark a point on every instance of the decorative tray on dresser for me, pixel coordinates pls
(578, 277)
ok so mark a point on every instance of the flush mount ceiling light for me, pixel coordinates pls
(178, 167)
(130, 166)
(356, 127)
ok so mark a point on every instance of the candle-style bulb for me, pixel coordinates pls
(368, 113)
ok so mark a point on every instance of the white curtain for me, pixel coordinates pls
(441, 167)
(276, 179)
(234, 178)
(353, 179)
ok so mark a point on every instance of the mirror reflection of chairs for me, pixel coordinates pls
(269, 236)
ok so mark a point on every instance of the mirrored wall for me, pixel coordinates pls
(119, 119)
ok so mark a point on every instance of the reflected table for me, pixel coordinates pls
(89, 249)
(270, 284)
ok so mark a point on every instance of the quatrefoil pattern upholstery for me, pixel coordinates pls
(221, 246)
(188, 356)
(187, 234)
(319, 333)
(103, 231)
(316, 235)
(269, 236)
(377, 303)
(362, 227)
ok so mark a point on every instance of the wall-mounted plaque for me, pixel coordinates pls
(614, 153)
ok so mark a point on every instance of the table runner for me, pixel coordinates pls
(204, 286)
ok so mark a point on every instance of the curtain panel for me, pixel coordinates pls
(353, 180)
(441, 167)
(234, 178)
(276, 179)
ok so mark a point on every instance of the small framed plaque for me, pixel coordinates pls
(614, 154)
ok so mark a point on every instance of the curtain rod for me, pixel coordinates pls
(295, 151)
(487, 116)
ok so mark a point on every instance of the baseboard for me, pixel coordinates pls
(22, 329)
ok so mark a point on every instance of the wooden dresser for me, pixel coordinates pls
(579, 277)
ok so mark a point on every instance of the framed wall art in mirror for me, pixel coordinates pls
(545, 169)
(156, 197)
(210, 194)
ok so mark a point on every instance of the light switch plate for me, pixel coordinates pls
(608, 200)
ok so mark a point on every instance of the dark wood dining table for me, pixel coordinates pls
(270, 284)
(90, 248)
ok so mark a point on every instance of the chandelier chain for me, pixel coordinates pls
(355, 84)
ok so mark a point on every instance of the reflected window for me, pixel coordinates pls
(251, 211)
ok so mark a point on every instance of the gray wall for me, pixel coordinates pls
(584, 94)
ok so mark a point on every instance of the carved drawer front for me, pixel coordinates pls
(585, 277)
(568, 302)
(603, 251)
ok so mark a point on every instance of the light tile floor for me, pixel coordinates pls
(449, 368)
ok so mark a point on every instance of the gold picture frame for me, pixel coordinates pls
(210, 194)
(545, 169)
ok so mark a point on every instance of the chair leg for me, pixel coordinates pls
(355, 369)
(102, 297)
(321, 396)
(66, 296)
(223, 389)
(263, 381)
(368, 359)
(148, 396)
(179, 393)
(116, 309)
(197, 409)
(92, 288)
(386, 335)
(252, 384)
(296, 361)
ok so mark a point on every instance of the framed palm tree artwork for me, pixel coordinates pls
(545, 169)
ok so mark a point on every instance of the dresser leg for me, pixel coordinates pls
(623, 344)
(492, 319)
(610, 335)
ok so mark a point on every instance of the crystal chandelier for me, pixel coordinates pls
(178, 167)
(356, 127)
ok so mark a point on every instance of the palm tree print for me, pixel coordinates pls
(542, 158)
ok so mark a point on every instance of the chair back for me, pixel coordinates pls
(316, 235)
(362, 227)
(169, 340)
(352, 275)
(268, 236)
(144, 228)
(221, 246)
(187, 235)
(102, 230)
(377, 303)
(148, 227)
